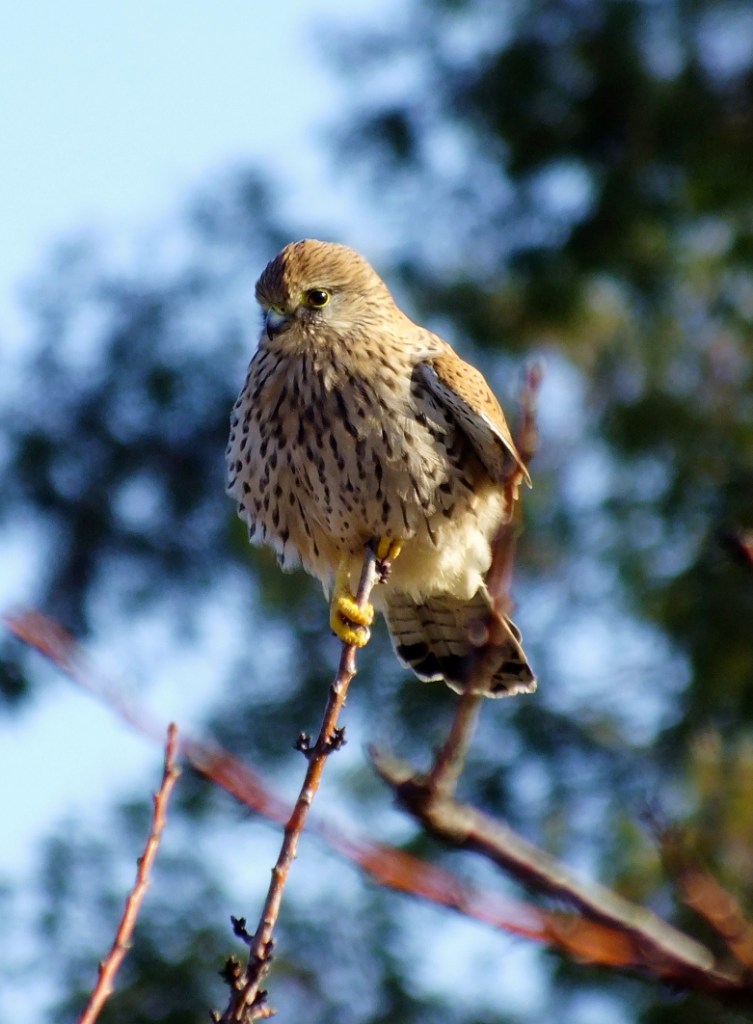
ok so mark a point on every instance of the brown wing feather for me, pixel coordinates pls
(464, 391)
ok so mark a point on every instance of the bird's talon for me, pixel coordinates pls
(356, 636)
(350, 622)
(388, 549)
(352, 612)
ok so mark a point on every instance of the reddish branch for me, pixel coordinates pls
(647, 941)
(707, 897)
(610, 931)
(52, 640)
(110, 966)
(699, 890)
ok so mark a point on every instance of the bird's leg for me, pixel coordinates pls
(386, 551)
(347, 619)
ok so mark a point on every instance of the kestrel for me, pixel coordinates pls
(356, 426)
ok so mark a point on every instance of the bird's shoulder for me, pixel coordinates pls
(464, 390)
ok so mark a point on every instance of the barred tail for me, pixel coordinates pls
(433, 639)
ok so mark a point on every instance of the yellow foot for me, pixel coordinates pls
(388, 550)
(350, 622)
(347, 619)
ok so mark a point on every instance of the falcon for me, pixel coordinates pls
(356, 426)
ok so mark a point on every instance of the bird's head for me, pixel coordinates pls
(312, 291)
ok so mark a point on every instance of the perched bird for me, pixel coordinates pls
(357, 426)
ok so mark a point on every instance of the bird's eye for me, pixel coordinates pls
(317, 297)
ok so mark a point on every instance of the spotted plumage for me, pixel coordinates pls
(356, 425)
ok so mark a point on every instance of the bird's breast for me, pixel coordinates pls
(323, 458)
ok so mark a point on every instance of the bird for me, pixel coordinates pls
(356, 426)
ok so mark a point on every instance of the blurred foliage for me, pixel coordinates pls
(597, 205)
(121, 411)
(570, 178)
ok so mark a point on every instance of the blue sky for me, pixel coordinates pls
(110, 115)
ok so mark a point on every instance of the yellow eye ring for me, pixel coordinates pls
(317, 298)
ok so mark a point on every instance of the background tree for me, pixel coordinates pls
(564, 178)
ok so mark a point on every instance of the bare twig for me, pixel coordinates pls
(396, 869)
(527, 434)
(450, 758)
(499, 577)
(248, 1001)
(110, 966)
(399, 870)
(387, 865)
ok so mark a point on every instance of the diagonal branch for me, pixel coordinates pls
(449, 761)
(664, 950)
(248, 1001)
(110, 966)
(700, 891)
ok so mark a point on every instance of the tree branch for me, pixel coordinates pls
(614, 932)
(655, 945)
(110, 966)
(248, 1001)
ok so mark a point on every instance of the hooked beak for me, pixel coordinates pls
(276, 322)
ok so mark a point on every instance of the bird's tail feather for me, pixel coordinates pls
(435, 639)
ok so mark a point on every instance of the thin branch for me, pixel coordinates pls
(248, 1001)
(527, 434)
(396, 869)
(499, 577)
(656, 945)
(110, 966)
(583, 939)
(450, 758)
(387, 865)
